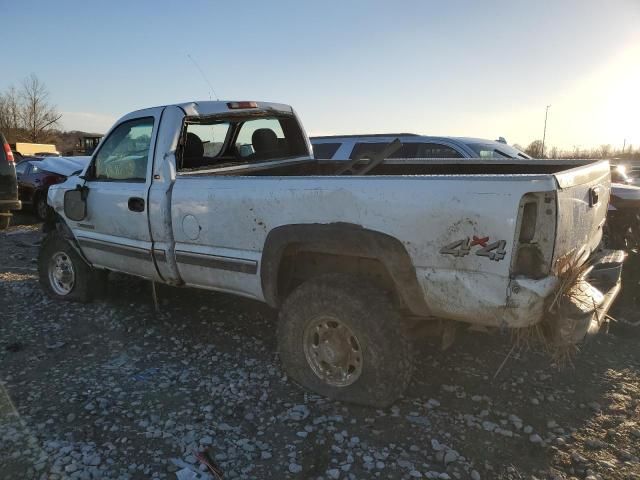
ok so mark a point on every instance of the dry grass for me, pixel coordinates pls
(546, 334)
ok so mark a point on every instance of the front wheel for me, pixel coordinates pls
(63, 274)
(341, 337)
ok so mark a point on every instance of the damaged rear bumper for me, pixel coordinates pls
(478, 298)
(584, 311)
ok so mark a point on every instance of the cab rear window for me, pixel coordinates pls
(228, 141)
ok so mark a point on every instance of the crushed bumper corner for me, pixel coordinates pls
(585, 310)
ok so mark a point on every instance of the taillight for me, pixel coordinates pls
(8, 153)
(535, 236)
(240, 105)
(53, 179)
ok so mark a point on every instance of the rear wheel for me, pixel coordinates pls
(340, 336)
(63, 274)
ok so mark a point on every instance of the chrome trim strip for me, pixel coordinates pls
(221, 263)
(124, 250)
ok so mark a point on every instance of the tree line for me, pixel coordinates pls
(26, 113)
(603, 151)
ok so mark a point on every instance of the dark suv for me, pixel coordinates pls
(8, 184)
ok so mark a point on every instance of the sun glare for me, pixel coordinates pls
(622, 104)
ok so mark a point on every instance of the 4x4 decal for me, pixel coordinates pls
(460, 248)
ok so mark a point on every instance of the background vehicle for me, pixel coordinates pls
(35, 149)
(622, 229)
(46, 154)
(623, 218)
(619, 175)
(226, 196)
(36, 174)
(8, 186)
(87, 144)
(413, 146)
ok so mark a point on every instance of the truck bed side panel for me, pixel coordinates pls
(228, 218)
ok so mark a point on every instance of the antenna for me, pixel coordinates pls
(211, 90)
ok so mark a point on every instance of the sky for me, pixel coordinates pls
(458, 68)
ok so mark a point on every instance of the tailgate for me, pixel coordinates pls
(583, 197)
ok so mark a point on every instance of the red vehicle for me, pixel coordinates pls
(33, 184)
(37, 174)
(8, 191)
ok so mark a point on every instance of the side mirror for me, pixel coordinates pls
(75, 204)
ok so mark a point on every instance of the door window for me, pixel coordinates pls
(125, 153)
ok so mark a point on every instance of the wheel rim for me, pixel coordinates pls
(61, 273)
(333, 351)
(41, 208)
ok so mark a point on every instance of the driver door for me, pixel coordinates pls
(115, 232)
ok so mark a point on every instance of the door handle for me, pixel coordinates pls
(136, 204)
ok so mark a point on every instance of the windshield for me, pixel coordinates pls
(496, 150)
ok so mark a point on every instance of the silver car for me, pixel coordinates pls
(337, 147)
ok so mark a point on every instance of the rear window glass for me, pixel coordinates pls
(262, 138)
(325, 150)
(211, 136)
(229, 141)
(409, 150)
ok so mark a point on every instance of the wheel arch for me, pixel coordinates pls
(346, 247)
(56, 223)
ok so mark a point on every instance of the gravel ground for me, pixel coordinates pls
(114, 390)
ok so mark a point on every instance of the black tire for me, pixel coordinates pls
(86, 282)
(5, 221)
(40, 207)
(366, 310)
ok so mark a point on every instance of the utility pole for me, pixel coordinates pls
(544, 134)
(624, 144)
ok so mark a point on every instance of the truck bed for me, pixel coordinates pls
(412, 166)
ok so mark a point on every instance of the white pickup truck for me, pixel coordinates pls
(227, 196)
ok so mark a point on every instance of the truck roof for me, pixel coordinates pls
(204, 108)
